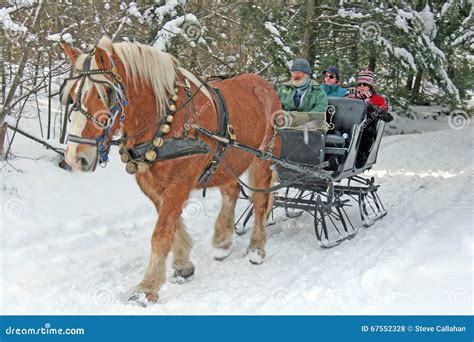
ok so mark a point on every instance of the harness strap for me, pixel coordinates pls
(138, 151)
(171, 148)
(223, 131)
(81, 140)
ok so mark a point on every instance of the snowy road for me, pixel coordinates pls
(77, 244)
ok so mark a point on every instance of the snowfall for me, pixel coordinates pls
(76, 243)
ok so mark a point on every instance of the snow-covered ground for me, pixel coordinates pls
(78, 243)
(428, 118)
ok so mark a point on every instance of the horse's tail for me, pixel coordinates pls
(252, 183)
(275, 180)
(271, 105)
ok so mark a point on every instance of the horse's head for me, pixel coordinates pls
(95, 92)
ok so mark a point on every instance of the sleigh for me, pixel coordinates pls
(324, 174)
(179, 150)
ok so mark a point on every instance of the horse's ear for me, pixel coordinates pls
(106, 43)
(71, 52)
(102, 59)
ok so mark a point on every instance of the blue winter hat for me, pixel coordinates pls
(333, 70)
(301, 64)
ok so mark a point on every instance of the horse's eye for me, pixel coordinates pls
(101, 98)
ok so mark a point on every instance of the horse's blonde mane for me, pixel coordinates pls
(145, 63)
(142, 63)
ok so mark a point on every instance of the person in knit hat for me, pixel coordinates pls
(331, 84)
(365, 90)
(301, 93)
(376, 110)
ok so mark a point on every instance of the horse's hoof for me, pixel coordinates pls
(256, 256)
(181, 276)
(142, 298)
(221, 253)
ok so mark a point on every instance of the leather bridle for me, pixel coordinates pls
(116, 103)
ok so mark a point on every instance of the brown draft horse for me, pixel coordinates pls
(148, 78)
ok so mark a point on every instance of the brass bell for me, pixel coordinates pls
(150, 155)
(131, 167)
(125, 157)
(172, 107)
(174, 98)
(143, 167)
(165, 128)
(158, 142)
(122, 149)
(176, 90)
(169, 118)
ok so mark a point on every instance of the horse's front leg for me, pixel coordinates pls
(182, 244)
(161, 244)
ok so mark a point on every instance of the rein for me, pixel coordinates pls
(139, 156)
(157, 123)
(115, 106)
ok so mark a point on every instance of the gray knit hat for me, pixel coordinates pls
(301, 64)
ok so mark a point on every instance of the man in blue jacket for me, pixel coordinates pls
(331, 84)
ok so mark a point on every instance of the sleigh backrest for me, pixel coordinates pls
(345, 113)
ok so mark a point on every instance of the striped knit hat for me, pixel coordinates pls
(366, 76)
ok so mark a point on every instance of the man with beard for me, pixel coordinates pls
(301, 93)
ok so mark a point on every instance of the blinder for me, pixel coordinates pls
(115, 106)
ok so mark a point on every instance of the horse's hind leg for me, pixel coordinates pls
(182, 244)
(260, 177)
(225, 223)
